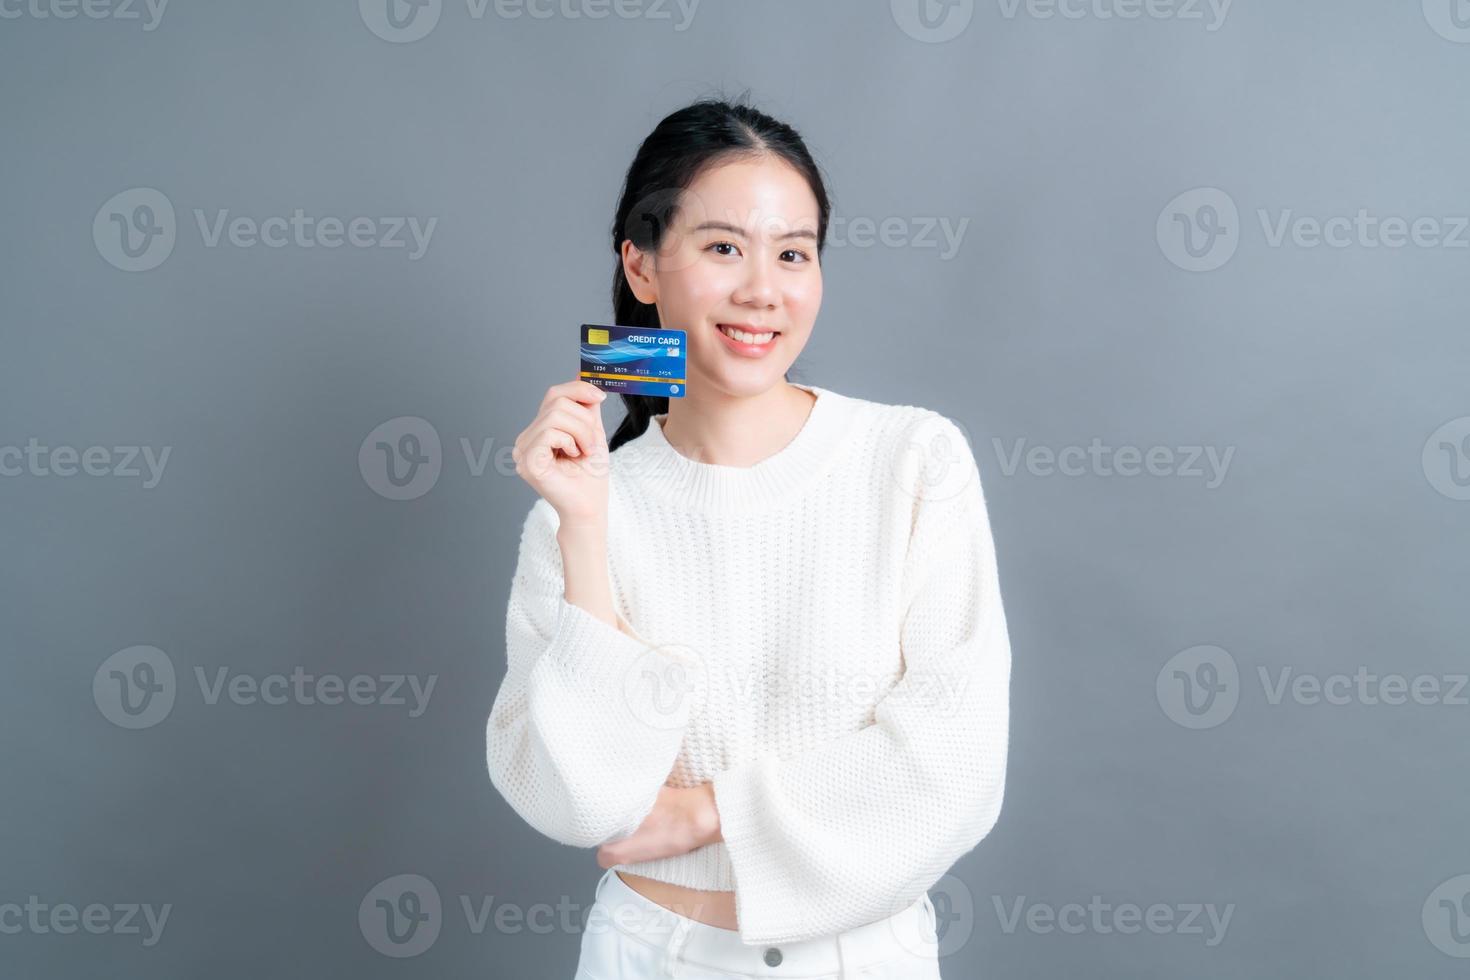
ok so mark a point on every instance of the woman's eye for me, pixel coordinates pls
(790, 255)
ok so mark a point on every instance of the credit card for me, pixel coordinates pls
(634, 360)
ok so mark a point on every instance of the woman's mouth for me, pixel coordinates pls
(745, 339)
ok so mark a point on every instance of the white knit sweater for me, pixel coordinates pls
(820, 635)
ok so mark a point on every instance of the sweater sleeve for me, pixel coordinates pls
(855, 829)
(583, 731)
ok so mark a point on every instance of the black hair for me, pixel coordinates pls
(682, 146)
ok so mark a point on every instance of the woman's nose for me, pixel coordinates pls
(759, 287)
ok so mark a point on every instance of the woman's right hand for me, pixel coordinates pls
(563, 453)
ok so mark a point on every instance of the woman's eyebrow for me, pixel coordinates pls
(732, 229)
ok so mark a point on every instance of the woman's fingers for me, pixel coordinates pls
(569, 419)
(583, 392)
(539, 452)
(560, 430)
(575, 422)
(563, 440)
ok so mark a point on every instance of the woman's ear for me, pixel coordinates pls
(638, 269)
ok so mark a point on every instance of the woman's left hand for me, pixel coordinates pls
(681, 820)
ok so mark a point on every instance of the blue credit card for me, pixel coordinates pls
(634, 360)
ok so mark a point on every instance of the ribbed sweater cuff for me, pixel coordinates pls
(756, 865)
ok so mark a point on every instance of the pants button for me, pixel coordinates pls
(773, 957)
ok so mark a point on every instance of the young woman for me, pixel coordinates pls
(757, 652)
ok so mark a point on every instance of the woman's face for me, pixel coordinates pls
(741, 252)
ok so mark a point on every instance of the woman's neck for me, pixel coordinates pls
(728, 430)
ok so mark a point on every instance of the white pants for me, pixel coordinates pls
(629, 937)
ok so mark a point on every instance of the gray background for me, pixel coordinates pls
(1334, 541)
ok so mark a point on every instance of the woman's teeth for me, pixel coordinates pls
(746, 338)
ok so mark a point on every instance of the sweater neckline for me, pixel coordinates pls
(656, 466)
